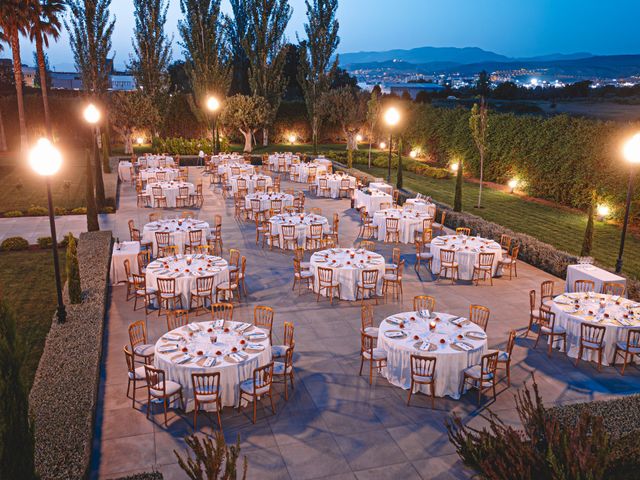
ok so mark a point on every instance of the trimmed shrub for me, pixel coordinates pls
(79, 211)
(13, 214)
(60, 211)
(186, 146)
(14, 244)
(73, 271)
(36, 211)
(108, 210)
(44, 242)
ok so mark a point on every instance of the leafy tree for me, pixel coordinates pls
(131, 111)
(16, 432)
(212, 461)
(237, 27)
(316, 67)
(264, 45)
(423, 97)
(246, 114)
(346, 108)
(478, 123)
(44, 23)
(290, 72)
(178, 78)
(373, 114)
(341, 78)
(151, 48)
(73, 271)
(207, 60)
(14, 21)
(482, 85)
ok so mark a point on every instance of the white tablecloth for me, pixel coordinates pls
(347, 269)
(200, 341)
(450, 361)
(383, 187)
(275, 161)
(252, 181)
(593, 273)
(570, 319)
(185, 275)
(169, 190)
(227, 158)
(244, 169)
(127, 251)
(420, 206)
(266, 198)
(170, 174)
(179, 230)
(155, 161)
(303, 225)
(409, 222)
(124, 171)
(334, 182)
(303, 170)
(467, 250)
(323, 161)
(371, 201)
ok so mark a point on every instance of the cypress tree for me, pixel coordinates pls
(399, 176)
(587, 241)
(73, 271)
(457, 199)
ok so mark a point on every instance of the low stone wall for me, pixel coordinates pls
(64, 394)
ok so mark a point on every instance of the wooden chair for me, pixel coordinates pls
(278, 351)
(393, 281)
(323, 187)
(439, 227)
(197, 199)
(138, 341)
(483, 268)
(206, 391)
(591, 338)
(627, 349)
(483, 375)
(142, 291)
(159, 388)
(167, 295)
(613, 288)
(479, 315)
(325, 282)
(424, 302)
(258, 386)
(463, 231)
(222, 311)
(546, 292)
(136, 236)
(505, 243)
(314, 239)
(368, 282)
(202, 293)
(423, 372)
(392, 230)
(194, 239)
(504, 356)
(234, 259)
(177, 319)
(367, 228)
(227, 288)
(215, 239)
(373, 356)
(143, 259)
(366, 319)
(333, 232)
(135, 375)
(242, 275)
(263, 318)
(163, 242)
(584, 286)
(395, 261)
(448, 263)
(368, 245)
(182, 199)
(159, 199)
(534, 314)
(300, 276)
(548, 328)
(345, 188)
(284, 370)
(289, 237)
(509, 262)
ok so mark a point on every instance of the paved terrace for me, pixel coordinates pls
(334, 425)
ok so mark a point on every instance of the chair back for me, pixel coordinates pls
(583, 286)
(139, 282)
(366, 316)
(345, 184)
(479, 315)
(222, 311)
(204, 285)
(166, 286)
(511, 341)
(263, 317)
(546, 291)
(208, 384)
(156, 379)
(195, 237)
(183, 192)
(369, 278)
(256, 205)
(547, 317)
(325, 276)
(288, 231)
(137, 334)
(234, 257)
(177, 319)
(463, 231)
(424, 302)
(633, 338)
(157, 191)
(367, 343)
(613, 288)
(447, 257)
(505, 242)
(400, 269)
(131, 365)
(391, 224)
(489, 366)
(592, 333)
(276, 205)
(368, 245)
(515, 251)
(263, 377)
(315, 230)
(288, 334)
(485, 259)
(163, 239)
(143, 258)
(532, 301)
(423, 366)
(135, 235)
(127, 268)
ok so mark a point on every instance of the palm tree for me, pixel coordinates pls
(14, 22)
(44, 23)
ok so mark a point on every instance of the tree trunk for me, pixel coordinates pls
(248, 145)
(100, 197)
(43, 85)
(17, 73)
(457, 199)
(92, 212)
(352, 143)
(265, 137)
(370, 144)
(106, 167)
(3, 138)
(128, 145)
(314, 133)
(399, 178)
(481, 178)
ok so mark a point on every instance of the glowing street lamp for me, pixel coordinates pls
(213, 105)
(382, 145)
(92, 114)
(602, 211)
(391, 118)
(140, 140)
(46, 160)
(359, 138)
(513, 183)
(454, 167)
(292, 139)
(631, 152)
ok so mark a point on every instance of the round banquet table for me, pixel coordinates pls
(409, 222)
(266, 198)
(420, 206)
(592, 308)
(276, 159)
(212, 340)
(170, 174)
(303, 224)
(155, 161)
(185, 274)
(178, 229)
(451, 357)
(124, 171)
(169, 190)
(334, 181)
(371, 199)
(243, 168)
(303, 170)
(252, 181)
(347, 269)
(467, 250)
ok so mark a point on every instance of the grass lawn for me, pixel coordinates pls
(27, 283)
(563, 229)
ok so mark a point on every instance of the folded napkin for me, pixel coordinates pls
(193, 327)
(239, 357)
(425, 346)
(256, 336)
(218, 324)
(394, 334)
(465, 346)
(210, 362)
(171, 337)
(255, 346)
(183, 359)
(458, 320)
(241, 327)
(394, 320)
(476, 334)
(167, 348)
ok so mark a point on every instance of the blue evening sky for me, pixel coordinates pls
(509, 27)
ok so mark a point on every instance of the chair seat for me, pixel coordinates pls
(305, 265)
(591, 344)
(227, 286)
(278, 368)
(372, 331)
(425, 255)
(366, 285)
(305, 274)
(143, 350)
(423, 378)
(475, 371)
(138, 374)
(247, 387)
(278, 351)
(390, 266)
(171, 388)
(206, 394)
(378, 354)
(449, 264)
(632, 349)
(557, 329)
(483, 267)
(169, 295)
(503, 356)
(328, 285)
(196, 293)
(391, 277)
(147, 291)
(130, 279)
(507, 260)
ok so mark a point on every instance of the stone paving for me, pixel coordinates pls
(334, 425)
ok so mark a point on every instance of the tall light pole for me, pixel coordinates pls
(92, 117)
(391, 118)
(631, 153)
(46, 160)
(213, 105)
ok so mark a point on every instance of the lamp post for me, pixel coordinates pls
(92, 117)
(45, 160)
(213, 104)
(631, 152)
(391, 118)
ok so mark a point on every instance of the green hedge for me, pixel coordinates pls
(361, 157)
(14, 244)
(186, 146)
(560, 158)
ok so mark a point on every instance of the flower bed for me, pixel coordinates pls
(64, 393)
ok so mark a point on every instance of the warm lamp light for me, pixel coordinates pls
(413, 153)
(392, 116)
(513, 183)
(92, 114)
(454, 167)
(358, 138)
(44, 158)
(603, 211)
(140, 140)
(213, 104)
(383, 145)
(292, 138)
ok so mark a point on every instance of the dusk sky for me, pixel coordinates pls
(515, 28)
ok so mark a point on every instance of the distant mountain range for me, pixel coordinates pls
(471, 60)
